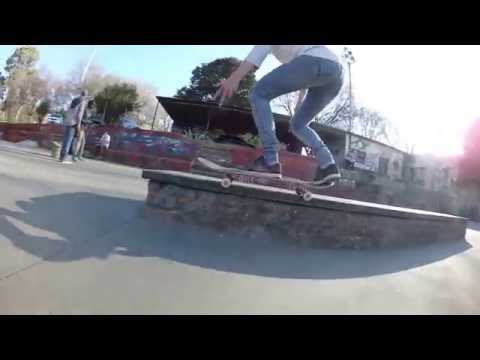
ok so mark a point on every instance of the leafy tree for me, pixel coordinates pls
(24, 57)
(206, 77)
(3, 88)
(24, 83)
(117, 100)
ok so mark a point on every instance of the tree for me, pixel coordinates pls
(24, 83)
(337, 114)
(370, 124)
(3, 88)
(42, 110)
(117, 100)
(287, 103)
(205, 79)
(24, 57)
(96, 79)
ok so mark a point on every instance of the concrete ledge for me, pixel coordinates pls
(323, 222)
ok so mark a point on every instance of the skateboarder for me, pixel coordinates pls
(313, 70)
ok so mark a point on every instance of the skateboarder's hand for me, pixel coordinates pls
(227, 88)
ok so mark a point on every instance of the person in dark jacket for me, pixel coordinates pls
(72, 124)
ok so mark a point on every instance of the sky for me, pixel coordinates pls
(429, 93)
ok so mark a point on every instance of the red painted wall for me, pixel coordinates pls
(153, 149)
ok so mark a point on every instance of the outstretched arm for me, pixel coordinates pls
(229, 86)
(253, 61)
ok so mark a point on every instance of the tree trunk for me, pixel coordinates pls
(18, 112)
(42, 119)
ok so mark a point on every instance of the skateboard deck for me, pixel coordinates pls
(304, 189)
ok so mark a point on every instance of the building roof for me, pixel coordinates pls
(235, 120)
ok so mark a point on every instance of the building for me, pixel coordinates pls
(364, 153)
(378, 162)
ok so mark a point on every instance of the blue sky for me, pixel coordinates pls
(167, 67)
(429, 93)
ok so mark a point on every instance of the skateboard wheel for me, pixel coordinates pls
(300, 191)
(226, 183)
(307, 196)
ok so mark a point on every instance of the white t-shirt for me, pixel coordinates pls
(286, 53)
(105, 140)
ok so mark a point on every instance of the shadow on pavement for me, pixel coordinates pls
(474, 226)
(26, 152)
(87, 225)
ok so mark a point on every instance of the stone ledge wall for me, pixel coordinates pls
(300, 225)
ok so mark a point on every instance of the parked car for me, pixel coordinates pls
(128, 123)
(55, 119)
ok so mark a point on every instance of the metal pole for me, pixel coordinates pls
(155, 114)
(105, 111)
(350, 60)
(87, 66)
(350, 95)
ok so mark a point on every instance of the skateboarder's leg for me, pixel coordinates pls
(316, 100)
(301, 73)
(68, 134)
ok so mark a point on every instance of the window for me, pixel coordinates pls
(420, 175)
(383, 166)
(361, 156)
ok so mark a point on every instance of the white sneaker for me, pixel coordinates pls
(67, 162)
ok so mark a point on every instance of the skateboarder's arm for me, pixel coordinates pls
(229, 86)
(253, 61)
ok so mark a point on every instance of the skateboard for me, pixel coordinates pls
(302, 188)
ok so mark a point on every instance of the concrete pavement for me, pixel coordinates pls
(73, 241)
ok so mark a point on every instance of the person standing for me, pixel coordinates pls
(72, 124)
(81, 134)
(103, 145)
(312, 70)
(79, 143)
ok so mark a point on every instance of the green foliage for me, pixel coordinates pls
(24, 57)
(24, 83)
(196, 134)
(206, 77)
(3, 88)
(251, 139)
(44, 108)
(116, 100)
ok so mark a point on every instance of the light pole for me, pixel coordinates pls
(155, 114)
(350, 59)
(87, 66)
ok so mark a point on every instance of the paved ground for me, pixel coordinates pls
(73, 241)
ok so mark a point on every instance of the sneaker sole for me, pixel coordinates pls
(328, 178)
(226, 170)
(263, 174)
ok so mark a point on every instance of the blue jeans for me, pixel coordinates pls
(323, 78)
(68, 135)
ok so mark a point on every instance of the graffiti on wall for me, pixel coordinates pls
(145, 142)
